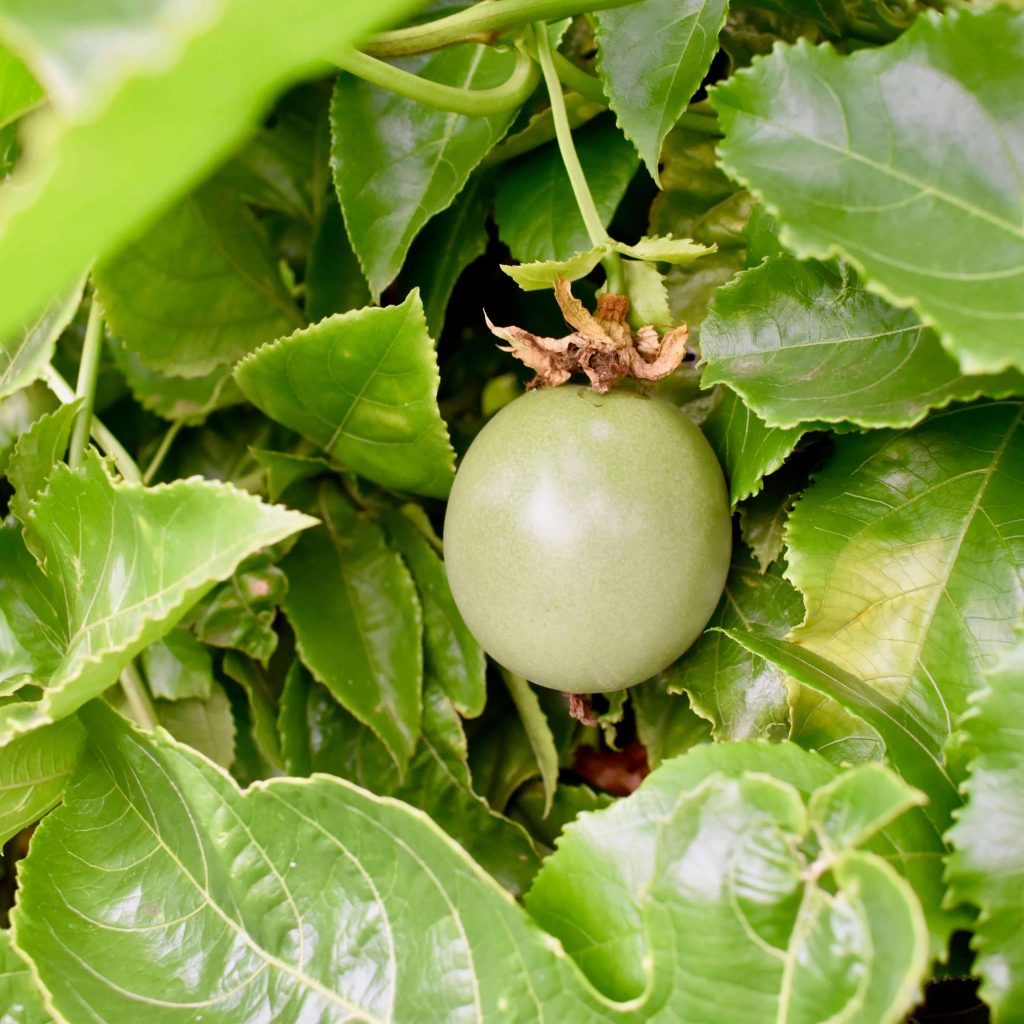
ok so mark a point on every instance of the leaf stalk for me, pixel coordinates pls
(85, 387)
(481, 23)
(512, 93)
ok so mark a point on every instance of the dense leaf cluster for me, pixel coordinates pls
(253, 766)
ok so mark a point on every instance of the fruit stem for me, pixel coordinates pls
(85, 387)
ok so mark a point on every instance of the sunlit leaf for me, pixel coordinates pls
(123, 564)
(857, 358)
(397, 162)
(923, 196)
(653, 56)
(742, 695)
(363, 386)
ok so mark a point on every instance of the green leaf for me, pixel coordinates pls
(329, 860)
(357, 621)
(763, 518)
(186, 399)
(648, 296)
(739, 693)
(26, 353)
(199, 289)
(534, 207)
(569, 803)
(629, 888)
(858, 804)
(286, 468)
(665, 249)
(307, 900)
(452, 657)
(334, 280)
(363, 386)
(535, 277)
(857, 358)
(397, 163)
(908, 552)
(747, 447)
(18, 994)
(319, 736)
(652, 58)
(922, 198)
(33, 772)
(915, 754)
(205, 724)
(263, 704)
(109, 120)
(240, 613)
(123, 564)
(446, 246)
(35, 454)
(538, 732)
(666, 724)
(178, 667)
(18, 412)
(986, 867)
(283, 165)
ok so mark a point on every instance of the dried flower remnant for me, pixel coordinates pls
(602, 345)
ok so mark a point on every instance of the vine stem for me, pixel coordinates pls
(612, 263)
(481, 23)
(101, 435)
(512, 93)
(85, 387)
(138, 697)
(161, 452)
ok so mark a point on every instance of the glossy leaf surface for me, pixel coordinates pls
(363, 386)
(329, 856)
(123, 564)
(397, 163)
(357, 620)
(319, 736)
(18, 996)
(742, 695)
(923, 197)
(33, 772)
(857, 358)
(987, 865)
(747, 447)
(757, 916)
(908, 552)
(35, 454)
(299, 899)
(653, 56)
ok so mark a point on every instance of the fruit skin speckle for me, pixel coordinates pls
(587, 537)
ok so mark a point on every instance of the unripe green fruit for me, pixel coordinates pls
(587, 537)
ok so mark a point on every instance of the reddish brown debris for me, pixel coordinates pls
(618, 772)
(602, 345)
